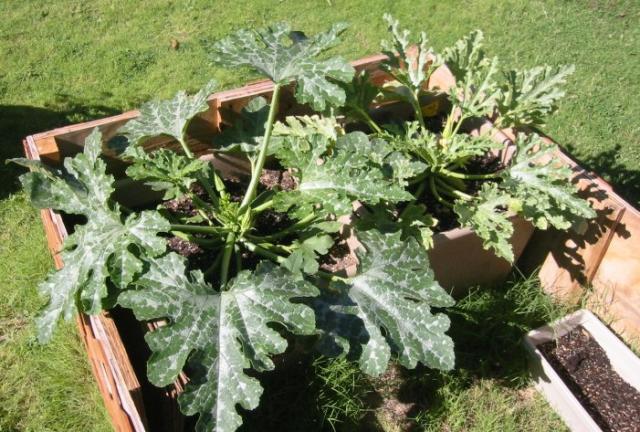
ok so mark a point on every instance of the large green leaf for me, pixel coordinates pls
(476, 90)
(168, 117)
(529, 96)
(106, 246)
(543, 186)
(387, 307)
(247, 128)
(284, 56)
(331, 176)
(486, 214)
(220, 333)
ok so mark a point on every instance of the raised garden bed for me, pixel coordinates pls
(123, 394)
(586, 373)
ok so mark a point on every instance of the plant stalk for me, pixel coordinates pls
(214, 264)
(262, 207)
(451, 191)
(367, 118)
(226, 259)
(185, 148)
(434, 191)
(197, 229)
(447, 173)
(262, 156)
(263, 252)
(285, 232)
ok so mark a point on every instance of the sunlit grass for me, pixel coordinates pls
(67, 61)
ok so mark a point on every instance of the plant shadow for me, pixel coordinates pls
(607, 164)
(487, 326)
(19, 121)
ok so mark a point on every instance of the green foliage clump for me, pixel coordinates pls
(230, 316)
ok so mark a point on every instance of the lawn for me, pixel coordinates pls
(67, 61)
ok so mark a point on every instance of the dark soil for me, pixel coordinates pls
(585, 368)
(184, 247)
(182, 206)
(268, 222)
(447, 219)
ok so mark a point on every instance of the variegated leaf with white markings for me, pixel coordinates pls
(330, 180)
(487, 215)
(220, 334)
(529, 96)
(168, 117)
(108, 245)
(542, 185)
(476, 90)
(392, 296)
(283, 56)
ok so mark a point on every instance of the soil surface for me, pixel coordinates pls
(584, 366)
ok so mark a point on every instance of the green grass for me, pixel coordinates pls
(67, 61)
(42, 388)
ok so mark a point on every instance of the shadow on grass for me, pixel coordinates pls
(18, 121)
(487, 327)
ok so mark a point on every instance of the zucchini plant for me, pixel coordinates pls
(229, 315)
(440, 164)
(264, 244)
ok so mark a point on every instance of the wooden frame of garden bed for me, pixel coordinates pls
(603, 248)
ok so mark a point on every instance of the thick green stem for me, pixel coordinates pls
(418, 110)
(197, 229)
(420, 178)
(262, 156)
(285, 232)
(436, 194)
(445, 172)
(214, 265)
(262, 207)
(331, 276)
(263, 252)
(226, 259)
(451, 191)
(207, 187)
(185, 148)
(238, 255)
(367, 118)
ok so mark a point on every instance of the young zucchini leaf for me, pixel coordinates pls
(305, 256)
(106, 246)
(487, 215)
(543, 186)
(168, 117)
(284, 56)
(304, 126)
(529, 96)
(220, 334)
(411, 67)
(360, 95)
(476, 90)
(165, 170)
(387, 307)
(329, 181)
